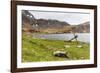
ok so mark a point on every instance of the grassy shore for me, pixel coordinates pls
(37, 50)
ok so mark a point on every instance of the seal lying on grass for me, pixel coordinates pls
(60, 54)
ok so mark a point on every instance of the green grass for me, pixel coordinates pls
(37, 50)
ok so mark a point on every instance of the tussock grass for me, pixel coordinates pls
(37, 50)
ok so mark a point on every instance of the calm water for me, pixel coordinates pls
(83, 37)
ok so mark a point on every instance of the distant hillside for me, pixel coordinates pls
(82, 28)
(31, 24)
(43, 23)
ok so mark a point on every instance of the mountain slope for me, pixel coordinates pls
(82, 28)
(31, 24)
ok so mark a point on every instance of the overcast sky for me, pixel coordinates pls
(70, 17)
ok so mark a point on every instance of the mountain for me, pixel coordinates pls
(43, 23)
(82, 28)
(27, 20)
(31, 24)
